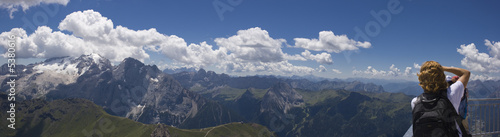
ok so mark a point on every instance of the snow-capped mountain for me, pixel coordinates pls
(38, 79)
(129, 89)
(74, 65)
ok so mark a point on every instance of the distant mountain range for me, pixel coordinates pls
(477, 88)
(289, 106)
(209, 79)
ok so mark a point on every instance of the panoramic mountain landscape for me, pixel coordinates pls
(237, 68)
(157, 103)
(204, 99)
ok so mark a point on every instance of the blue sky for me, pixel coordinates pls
(416, 32)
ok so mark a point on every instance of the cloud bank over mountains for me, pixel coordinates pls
(483, 65)
(250, 50)
(392, 72)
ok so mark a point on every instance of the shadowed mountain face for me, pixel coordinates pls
(130, 89)
(281, 97)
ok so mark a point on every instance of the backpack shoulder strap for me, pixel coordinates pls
(464, 96)
(457, 118)
(419, 98)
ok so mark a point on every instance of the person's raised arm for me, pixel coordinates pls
(462, 73)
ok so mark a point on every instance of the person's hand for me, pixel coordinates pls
(454, 79)
(462, 73)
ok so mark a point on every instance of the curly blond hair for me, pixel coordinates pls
(432, 78)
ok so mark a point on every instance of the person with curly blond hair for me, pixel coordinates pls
(435, 112)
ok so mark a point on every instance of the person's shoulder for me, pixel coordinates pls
(456, 87)
(455, 92)
(457, 84)
(414, 100)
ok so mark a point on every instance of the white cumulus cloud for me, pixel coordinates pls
(392, 73)
(13, 5)
(408, 71)
(330, 42)
(482, 77)
(370, 71)
(323, 58)
(337, 71)
(322, 68)
(93, 33)
(44, 43)
(283, 67)
(416, 66)
(87, 24)
(481, 62)
(253, 44)
(254, 50)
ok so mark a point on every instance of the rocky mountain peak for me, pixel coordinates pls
(202, 71)
(94, 59)
(130, 62)
(246, 94)
(134, 71)
(281, 97)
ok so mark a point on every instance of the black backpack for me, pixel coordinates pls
(435, 116)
